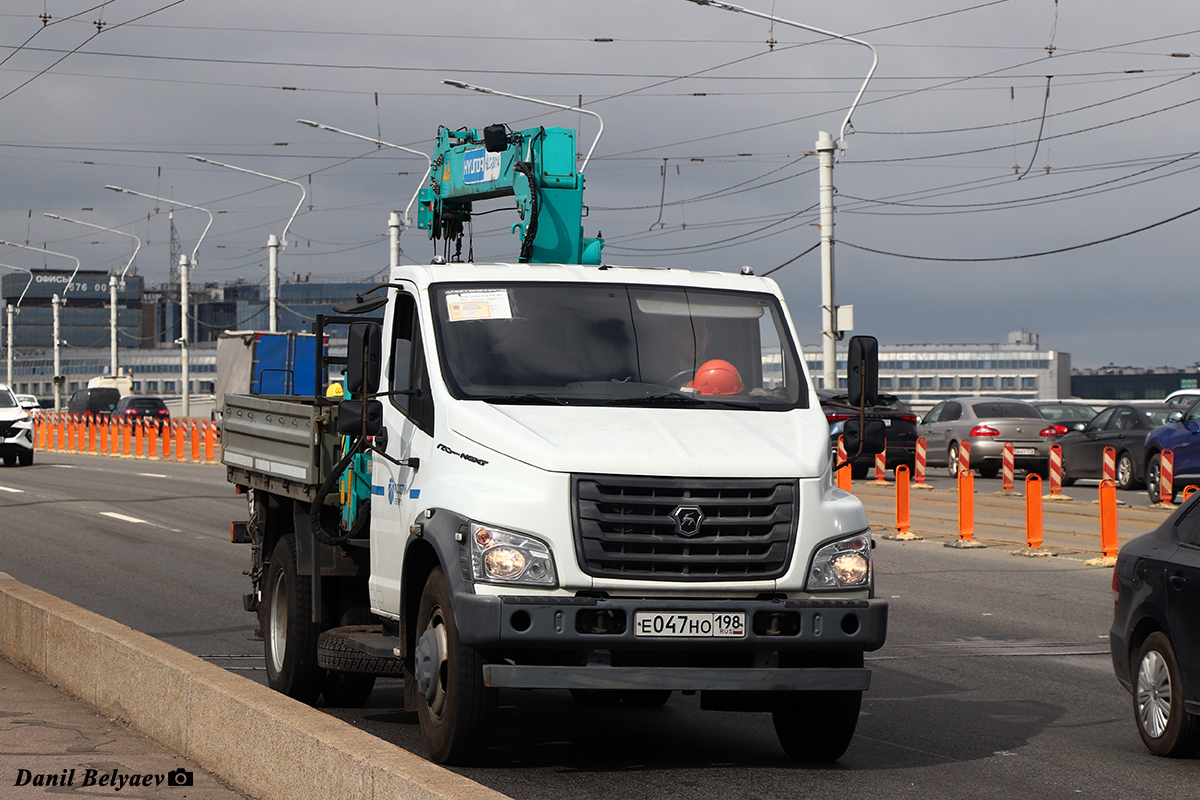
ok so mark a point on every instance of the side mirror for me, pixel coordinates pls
(364, 349)
(862, 370)
(1176, 416)
(360, 417)
(872, 436)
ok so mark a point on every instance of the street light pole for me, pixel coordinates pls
(57, 303)
(12, 312)
(273, 245)
(112, 283)
(184, 266)
(826, 149)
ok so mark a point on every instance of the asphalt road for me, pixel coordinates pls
(995, 681)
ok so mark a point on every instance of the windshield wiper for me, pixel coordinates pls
(525, 398)
(675, 399)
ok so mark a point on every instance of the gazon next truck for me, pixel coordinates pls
(559, 474)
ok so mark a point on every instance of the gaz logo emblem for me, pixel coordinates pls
(687, 520)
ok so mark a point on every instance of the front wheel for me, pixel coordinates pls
(25, 459)
(1124, 471)
(952, 460)
(1165, 726)
(289, 635)
(455, 708)
(816, 727)
(1154, 477)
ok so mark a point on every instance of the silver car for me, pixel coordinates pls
(987, 422)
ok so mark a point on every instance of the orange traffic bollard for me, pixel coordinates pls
(964, 455)
(139, 436)
(210, 436)
(1189, 490)
(1033, 511)
(1166, 476)
(1108, 517)
(195, 436)
(152, 437)
(1109, 465)
(966, 505)
(881, 465)
(1008, 466)
(180, 440)
(903, 513)
(919, 463)
(1055, 469)
(843, 475)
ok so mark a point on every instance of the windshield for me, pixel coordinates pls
(616, 344)
(7, 400)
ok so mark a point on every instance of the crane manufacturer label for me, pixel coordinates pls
(480, 166)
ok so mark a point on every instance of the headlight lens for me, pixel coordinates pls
(844, 564)
(501, 556)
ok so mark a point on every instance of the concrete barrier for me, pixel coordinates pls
(262, 743)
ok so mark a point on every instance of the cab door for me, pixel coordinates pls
(409, 416)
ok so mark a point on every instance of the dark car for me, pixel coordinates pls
(1071, 416)
(1123, 428)
(1181, 435)
(900, 428)
(1155, 636)
(97, 402)
(135, 407)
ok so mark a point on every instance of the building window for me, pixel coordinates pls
(841, 383)
(906, 383)
(1008, 383)
(926, 383)
(1028, 383)
(966, 383)
(987, 383)
(168, 386)
(74, 386)
(151, 386)
(945, 383)
(137, 386)
(885, 383)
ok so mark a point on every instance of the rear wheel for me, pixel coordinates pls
(456, 709)
(816, 727)
(1124, 471)
(1165, 726)
(952, 459)
(289, 634)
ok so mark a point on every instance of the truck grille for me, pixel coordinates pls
(641, 528)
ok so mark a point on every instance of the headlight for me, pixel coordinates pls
(500, 556)
(845, 564)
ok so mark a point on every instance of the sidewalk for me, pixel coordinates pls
(46, 734)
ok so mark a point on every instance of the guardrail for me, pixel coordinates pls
(177, 440)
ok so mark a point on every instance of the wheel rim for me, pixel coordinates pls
(952, 459)
(437, 626)
(1152, 480)
(1154, 694)
(278, 608)
(1124, 472)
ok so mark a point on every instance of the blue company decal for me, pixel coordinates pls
(414, 494)
(480, 166)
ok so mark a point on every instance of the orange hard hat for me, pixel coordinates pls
(717, 377)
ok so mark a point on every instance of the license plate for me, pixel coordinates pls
(690, 624)
(1025, 451)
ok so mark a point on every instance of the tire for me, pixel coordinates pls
(646, 698)
(816, 727)
(454, 707)
(10, 461)
(1165, 727)
(952, 460)
(25, 459)
(859, 471)
(350, 674)
(1124, 473)
(1153, 472)
(1067, 480)
(289, 635)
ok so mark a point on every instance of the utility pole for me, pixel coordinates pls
(831, 330)
(12, 314)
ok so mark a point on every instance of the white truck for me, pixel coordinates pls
(559, 474)
(611, 480)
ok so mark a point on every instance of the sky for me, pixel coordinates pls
(1013, 164)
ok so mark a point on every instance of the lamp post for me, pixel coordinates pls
(498, 93)
(185, 373)
(57, 303)
(273, 245)
(381, 143)
(826, 147)
(12, 312)
(112, 282)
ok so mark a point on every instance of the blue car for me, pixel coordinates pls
(1181, 435)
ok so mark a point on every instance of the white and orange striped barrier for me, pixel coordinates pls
(1056, 474)
(881, 465)
(1109, 465)
(1166, 477)
(843, 475)
(964, 456)
(1008, 466)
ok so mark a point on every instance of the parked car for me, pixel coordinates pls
(1154, 638)
(28, 402)
(1183, 397)
(16, 431)
(1071, 416)
(987, 422)
(900, 426)
(135, 407)
(97, 402)
(1121, 427)
(1181, 435)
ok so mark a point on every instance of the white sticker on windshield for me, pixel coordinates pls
(478, 304)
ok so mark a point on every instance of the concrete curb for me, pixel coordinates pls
(264, 744)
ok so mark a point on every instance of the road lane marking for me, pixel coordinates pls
(123, 518)
(10, 489)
